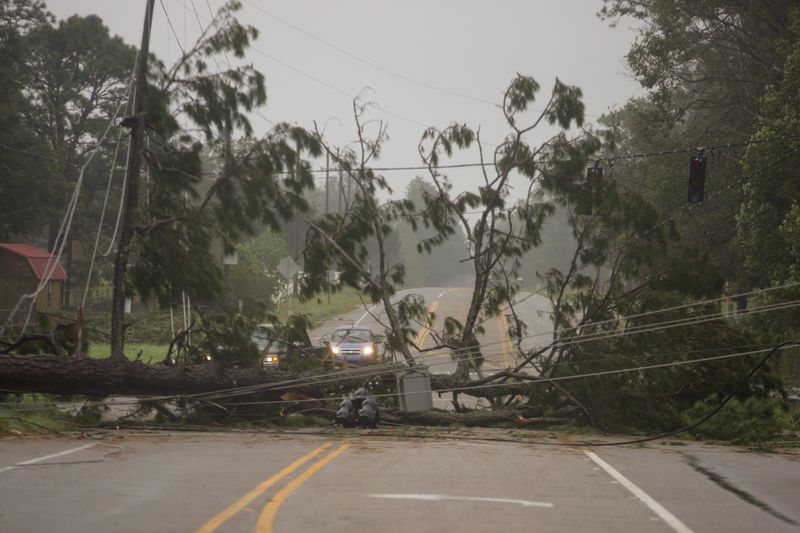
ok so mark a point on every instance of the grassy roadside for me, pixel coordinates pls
(146, 353)
(317, 309)
(31, 414)
(150, 330)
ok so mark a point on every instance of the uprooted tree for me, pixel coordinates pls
(606, 305)
(185, 213)
(342, 240)
(504, 229)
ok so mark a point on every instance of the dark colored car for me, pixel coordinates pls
(353, 345)
(272, 349)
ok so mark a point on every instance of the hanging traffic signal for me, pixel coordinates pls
(584, 203)
(594, 172)
(697, 179)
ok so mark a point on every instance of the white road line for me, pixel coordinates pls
(449, 290)
(46, 457)
(366, 313)
(444, 497)
(645, 498)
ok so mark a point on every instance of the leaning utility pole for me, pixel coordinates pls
(131, 196)
(327, 181)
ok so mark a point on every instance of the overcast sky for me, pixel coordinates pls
(448, 48)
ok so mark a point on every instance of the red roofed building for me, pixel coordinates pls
(22, 268)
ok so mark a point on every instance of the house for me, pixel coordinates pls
(22, 268)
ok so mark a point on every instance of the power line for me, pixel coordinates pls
(370, 63)
(62, 237)
(172, 28)
(324, 83)
(650, 313)
(103, 211)
(534, 380)
(608, 159)
(347, 375)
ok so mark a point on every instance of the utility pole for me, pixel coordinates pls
(327, 181)
(131, 197)
(327, 205)
(341, 191)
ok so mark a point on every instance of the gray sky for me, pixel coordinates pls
(470, 47)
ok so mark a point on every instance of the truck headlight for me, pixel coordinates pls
(335, 349)
(369, 350)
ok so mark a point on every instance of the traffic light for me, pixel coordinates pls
(697, 179)
(586, 199)
(594, 172)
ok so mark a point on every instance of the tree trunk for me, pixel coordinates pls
(49, 374)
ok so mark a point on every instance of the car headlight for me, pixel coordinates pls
(369, 350)
(335, 349)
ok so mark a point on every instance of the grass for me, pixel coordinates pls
(317, 309)
(152, 325)
(147, 327)
(150, 353)
(31, 414)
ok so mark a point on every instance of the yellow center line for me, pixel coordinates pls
(502, 324)
(267, 518)
(502, 341)
(423, 333)
(242, 502)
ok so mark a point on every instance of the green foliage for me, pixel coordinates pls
(707, 66)
(32, 414)
(29, 187)
(256, 277)
(226, 337)
(503, 232)
(78, 76)
(144, 327)
(656, 398)
(342, 241)
(186, 222)
(63, 335)
(707, 55)
(773, 188)
(753, 420)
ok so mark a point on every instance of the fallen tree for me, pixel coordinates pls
(53, 374)
(49, 374)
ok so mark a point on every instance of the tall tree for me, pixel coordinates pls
(711, 55)
(503, 230)
(342, 240)
(424, 269)
(706, 66)
(79, 76)
(29, 189)
(772, 192)
(260, 181)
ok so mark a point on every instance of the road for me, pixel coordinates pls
(362, 481)
(496, 346)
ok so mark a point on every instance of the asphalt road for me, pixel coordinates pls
(360, 481)
(496, 346)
